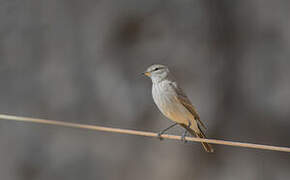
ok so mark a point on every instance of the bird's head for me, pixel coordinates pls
(157, 72)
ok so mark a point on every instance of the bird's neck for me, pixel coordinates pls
(162, 79)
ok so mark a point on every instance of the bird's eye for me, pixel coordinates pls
(156, 69)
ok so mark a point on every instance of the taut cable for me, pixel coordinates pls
(141, 133)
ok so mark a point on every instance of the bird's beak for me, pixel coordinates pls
(147, 74)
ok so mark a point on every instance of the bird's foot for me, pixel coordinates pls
(159, 136)
(164, 130)
(183, 137)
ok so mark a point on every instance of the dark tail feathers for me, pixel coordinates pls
(207, 147)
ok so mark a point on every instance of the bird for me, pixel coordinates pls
(174, 104)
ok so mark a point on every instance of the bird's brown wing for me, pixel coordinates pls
(183, 99)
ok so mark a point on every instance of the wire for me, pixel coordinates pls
(141, 133)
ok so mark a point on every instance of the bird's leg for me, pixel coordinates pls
(185, 132)
(164, 130)
(183, 137)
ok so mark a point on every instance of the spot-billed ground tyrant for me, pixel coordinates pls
(174, 104)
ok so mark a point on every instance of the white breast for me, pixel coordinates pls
(165, 98)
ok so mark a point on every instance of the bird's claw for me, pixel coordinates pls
(159, 136)
(183, 137)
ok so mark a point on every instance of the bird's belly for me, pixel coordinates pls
(177, 113)
(171, 108)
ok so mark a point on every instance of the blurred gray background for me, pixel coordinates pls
(80, 61)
